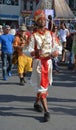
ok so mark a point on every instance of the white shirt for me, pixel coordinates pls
(63, 34)
(13, 31)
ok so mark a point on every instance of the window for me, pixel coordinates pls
(8, 2)
(14, 2)
(31, 5)
(75, 4)
(11, 2)
(71, 3)
(25, 5)
(1, 1)
(37, 1)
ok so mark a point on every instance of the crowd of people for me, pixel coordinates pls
(36, 54)
(66, 36)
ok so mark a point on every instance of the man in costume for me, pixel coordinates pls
(24, 62)
(42, 49)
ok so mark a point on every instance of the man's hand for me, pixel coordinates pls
(55, 54)
(38, 52)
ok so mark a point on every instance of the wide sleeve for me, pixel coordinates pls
(30, 48)
(57, 46)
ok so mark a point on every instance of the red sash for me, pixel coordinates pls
(44, 73)
(44, 69)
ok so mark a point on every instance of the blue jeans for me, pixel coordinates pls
(71, 64)
(55, 64)
(6, 63)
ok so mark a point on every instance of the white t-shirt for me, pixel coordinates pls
(63, 34)
(13, 31)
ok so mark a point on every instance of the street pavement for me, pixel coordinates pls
(16, 103)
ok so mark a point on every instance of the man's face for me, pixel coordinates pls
(41, 22)
(6, 30)
(22, 33)
(62, 26)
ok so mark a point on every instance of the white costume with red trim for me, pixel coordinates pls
(42, 65)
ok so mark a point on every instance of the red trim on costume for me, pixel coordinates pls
(44, 68)
(42, 32)
(44, 73)
(42, 95)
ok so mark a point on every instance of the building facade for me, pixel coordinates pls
(18, 11)
(15, 11)
(9, 11)
(27, 8)
(72, 5)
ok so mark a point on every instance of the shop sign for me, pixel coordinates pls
(25, 13)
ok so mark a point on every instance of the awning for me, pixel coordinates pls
(45, 4)
(60, 7)
(62, 10)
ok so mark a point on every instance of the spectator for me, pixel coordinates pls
(50, 23)
(6, 41)
(74, 50)
(55, 60)
(69, 45)
(63, 33)
(24, 62)
(1, 30)
(13, 30)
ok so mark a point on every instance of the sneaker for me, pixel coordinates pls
(38, 108)
(46, 116)
(9, 74)
(22, 82)
(4, 78)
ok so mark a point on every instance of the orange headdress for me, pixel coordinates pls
(39, 14)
